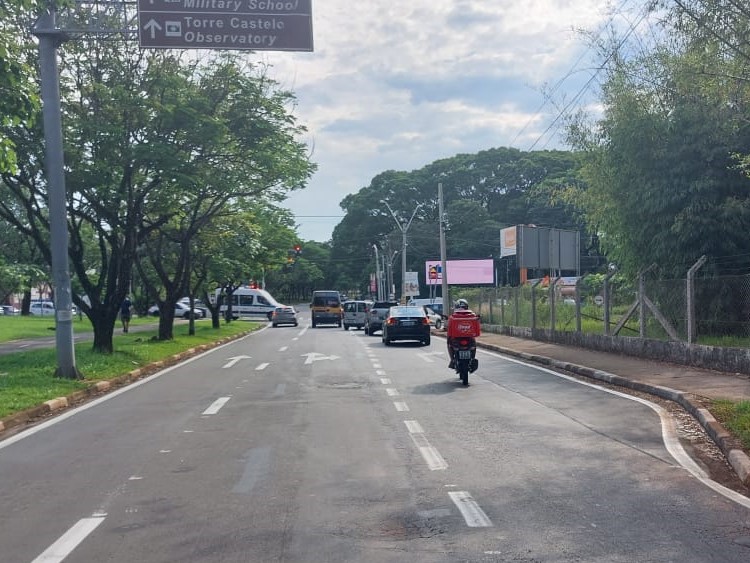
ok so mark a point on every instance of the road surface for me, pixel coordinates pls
(321, 445)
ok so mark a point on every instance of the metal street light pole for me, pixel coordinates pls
(404, 229)
(377, 273)
(443, 261)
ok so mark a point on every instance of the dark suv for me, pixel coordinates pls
(376, 316)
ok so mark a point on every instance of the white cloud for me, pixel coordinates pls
(398, 84)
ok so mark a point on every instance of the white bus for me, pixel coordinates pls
(248, 302)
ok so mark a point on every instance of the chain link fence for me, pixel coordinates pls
(651, 308)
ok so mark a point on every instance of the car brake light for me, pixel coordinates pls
(391, 321)
(425, 321)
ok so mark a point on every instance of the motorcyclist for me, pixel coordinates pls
(460, 310)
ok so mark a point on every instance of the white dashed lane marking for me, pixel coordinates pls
(470, 510)
(216, 406)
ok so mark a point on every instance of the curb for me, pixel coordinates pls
(738, 459)
(96, 388)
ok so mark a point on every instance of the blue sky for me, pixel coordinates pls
(395, 85)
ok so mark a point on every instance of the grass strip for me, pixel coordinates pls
(735, 417)
(27, 378)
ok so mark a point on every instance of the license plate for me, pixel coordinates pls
(408, 323)
(464, 354)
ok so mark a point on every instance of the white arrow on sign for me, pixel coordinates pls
(315, 356)
(233, 360)
(152, 26)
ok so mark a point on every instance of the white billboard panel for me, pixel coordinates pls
(461, 272)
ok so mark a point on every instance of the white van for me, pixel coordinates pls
(248, 302)
(355, 313)
(436, 304)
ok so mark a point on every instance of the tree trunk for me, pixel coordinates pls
(104, 326)
(166, 323)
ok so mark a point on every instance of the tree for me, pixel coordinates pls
(158, 148)
(663, 185)
(19, 94)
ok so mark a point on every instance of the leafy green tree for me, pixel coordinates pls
(662, 181)
(158, 147)
(19, 92)
(483, 193)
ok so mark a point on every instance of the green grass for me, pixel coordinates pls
(17, 327)
(27, 378)
(735, 417)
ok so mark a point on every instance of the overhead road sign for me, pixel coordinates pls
(258, 25)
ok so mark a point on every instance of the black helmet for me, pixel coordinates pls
(462, 304)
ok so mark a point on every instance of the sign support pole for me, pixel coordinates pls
(49, 39)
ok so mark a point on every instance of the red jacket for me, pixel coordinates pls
(463, 323)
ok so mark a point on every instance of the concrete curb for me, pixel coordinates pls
(738, 459)
(101, 387)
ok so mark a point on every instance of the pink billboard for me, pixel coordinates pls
(461, 272)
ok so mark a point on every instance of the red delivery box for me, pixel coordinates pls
(463, 323)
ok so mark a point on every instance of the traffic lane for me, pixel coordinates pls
(308, 475)
(65, 466)
(595, 482)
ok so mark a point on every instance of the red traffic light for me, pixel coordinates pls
(298, 248)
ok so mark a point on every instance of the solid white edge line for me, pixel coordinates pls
(668, 432)
(216, 405)
(148, 379)
(470, 510)
(70, 540)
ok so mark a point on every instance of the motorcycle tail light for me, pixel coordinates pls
(463, 342)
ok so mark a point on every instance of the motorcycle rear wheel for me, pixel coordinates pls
(463, 371)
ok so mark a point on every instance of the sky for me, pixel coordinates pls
(397, 84)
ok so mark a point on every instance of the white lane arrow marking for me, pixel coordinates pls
(152, 26)
(315, 357)
(233, 360)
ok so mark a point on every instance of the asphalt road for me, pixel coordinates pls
(321, 445)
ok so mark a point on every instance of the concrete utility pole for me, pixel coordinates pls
(443, 260)
(50, 39)
(404, 229)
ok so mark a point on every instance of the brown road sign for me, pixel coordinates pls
(270, 25)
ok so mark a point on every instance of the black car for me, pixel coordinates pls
(406, 323)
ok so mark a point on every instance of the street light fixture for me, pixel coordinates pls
(403, 228)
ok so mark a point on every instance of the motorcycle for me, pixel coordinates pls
(464, 357)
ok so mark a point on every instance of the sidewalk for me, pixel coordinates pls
(685, 385)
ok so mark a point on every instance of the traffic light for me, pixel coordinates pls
(297, 249)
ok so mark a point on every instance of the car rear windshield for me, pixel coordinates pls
(384, 304)
(407, 312)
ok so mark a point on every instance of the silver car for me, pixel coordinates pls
(284, 315)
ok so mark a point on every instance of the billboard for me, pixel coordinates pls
(411, 289)
(461, 272)
(508, 242)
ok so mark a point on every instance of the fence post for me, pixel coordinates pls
(579, 329)
(608, 298)
(533, 305)
(642, 300)
(552, 302)
(691, 328)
